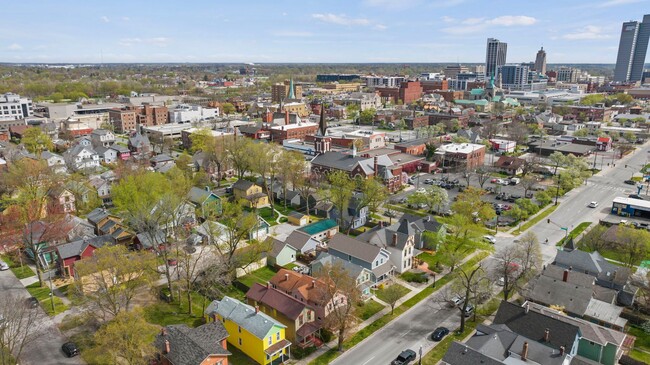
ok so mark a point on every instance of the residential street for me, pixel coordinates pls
(414, 327)
(46, 350)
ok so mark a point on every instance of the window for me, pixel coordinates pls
(239, 329)
(270, 340)
(277, 336)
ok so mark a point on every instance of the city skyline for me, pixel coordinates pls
(337, 32)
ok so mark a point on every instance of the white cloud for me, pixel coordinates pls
(510, 20)
(105, 19)
(381, 27)
(588, 32)
(340, 19)
(472, 25)
(156, 41)
(126, 18)
(289, 33)
(448, 19)
(15, 47)
(392, 4)
(617, 3)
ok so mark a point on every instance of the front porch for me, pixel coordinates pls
(277, 353)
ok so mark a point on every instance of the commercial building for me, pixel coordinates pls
(452, 70)
(383, 81)
(13, 107)
(460, 156)
(123, 120)
(632, 49)
(336, 77)
(407, 92)
(540, 61)
(495, 56)
(185, 113)
(567, 74)
(150, 115)
(293, 131)
(514, 77)
(285, 90)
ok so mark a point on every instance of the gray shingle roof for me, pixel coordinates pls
(75, 248)
(461, 354)
(258, 324)
(97, 215)
(348, 245)
(549, 291)
(190, 346)
(198, 196)
(299, 239)
(242, 185)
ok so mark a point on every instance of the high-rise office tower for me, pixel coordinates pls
(540, 61)
(632, 49)
(495, 56)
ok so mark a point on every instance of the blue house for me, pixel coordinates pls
(374, 258)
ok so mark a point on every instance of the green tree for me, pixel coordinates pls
(367, 116)
(629, 136)
(391, 295)
(633, 244)
(339, 192)
(127, 339)
(112, 276)
(624, 98)
(584, 132)
(373, 194)
(36, 141)
(200, 139)
(239, 155)
(558, 159)
(227, 108)
(543, 198)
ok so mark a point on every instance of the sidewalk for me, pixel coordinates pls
(334, 343)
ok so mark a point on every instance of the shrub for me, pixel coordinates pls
(415, 277)
(326, 335)
(301, 353)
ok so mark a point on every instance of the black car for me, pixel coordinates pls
(630, 182)
(32, 302)
(70, 349)
(439, 333)
(635, 196)
(405, 357)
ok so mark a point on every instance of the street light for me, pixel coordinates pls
(51, 293)
(419, 168)
(557, 191)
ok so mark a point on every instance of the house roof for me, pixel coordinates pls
(350, 246)
(161, 158)
(257, 323)
(145, 239)
(101, 132)
(299, 239)
(119, 148)
(533, 325)
(509, 162)
(191, 346)
(427, 223)
(139, 140)
(549, 291)
(461, 354)
(296, 215)
(573, 277)
(97, 215)
(76, 248)
(242, 185)
(347, 162)
(593, 263)
(199, 196)
(324, 258)
(318, 227)
(289, 306)
(294, 283)
(277, 247)
(605, 312)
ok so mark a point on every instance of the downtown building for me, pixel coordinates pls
(632, 50)
(13, 107)
(495, 56)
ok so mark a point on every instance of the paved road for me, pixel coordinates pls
(415, 326)
(46, 349)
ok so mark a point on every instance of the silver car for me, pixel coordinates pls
(3, 266)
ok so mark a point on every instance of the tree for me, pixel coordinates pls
(200, 139)
(352, 111)
(629, 136)
(127, 339)
(291, 169)
(633, 244)
(112, 276)
(367, 116)
(373, 194)
(306, 185)
(469, 204)
(391, 295)
(265, 158)
(593, 240)
(36, 141)
(518, 214)
(339, 192)
(19, 326)
(467, 285)
(529, 255)
(191, 260)
(239, 155)
(506, 270)
(624, 98)
(483, 175)
(528, 182)
(341, 290)
(584, 132)
(558, 160)
(518, 132)
(228, 108)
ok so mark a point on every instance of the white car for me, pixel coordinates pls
(3, 266)
(490, 239)
(421, 190)
(593, 204)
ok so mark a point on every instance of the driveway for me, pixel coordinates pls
(46, 349)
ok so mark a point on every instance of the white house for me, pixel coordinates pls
(82, 157)
(102, 137)
(54, 161)
(502, 145)
(106, 154)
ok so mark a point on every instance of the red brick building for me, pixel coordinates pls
(123, 120)
(293, 131)
(429, 86)
(150, 115)
(415, 147)
(416, 122)
(451, 95)
(461, 156)
(408, 92)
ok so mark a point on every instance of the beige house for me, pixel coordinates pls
(252, 193)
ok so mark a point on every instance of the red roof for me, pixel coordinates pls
(604, 139)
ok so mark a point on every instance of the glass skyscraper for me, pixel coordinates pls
(495, 56)
(632, 49)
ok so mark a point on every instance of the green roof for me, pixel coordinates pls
(480, 102)
(316, 227)
(476, 91)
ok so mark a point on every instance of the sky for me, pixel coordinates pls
(327, 31)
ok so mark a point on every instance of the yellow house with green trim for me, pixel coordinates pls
(256, 334)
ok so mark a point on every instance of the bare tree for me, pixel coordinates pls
(191, 260)
(339, 291)
(469, 172)
(391, 295)
(467, 285)
(528, 182)
(593, 240)
(531, 163)
(19, 326)
(506, 270)
(529, 255)
(483, 174)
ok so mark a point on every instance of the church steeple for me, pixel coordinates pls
(322, 126)
(291, 94)
(322, 143)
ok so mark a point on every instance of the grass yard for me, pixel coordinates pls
(21, 272)
(268, 215)
(261, 276)
(640, 355)
(42, 294)
(238, 357)
(368, 309)
(235, 293)
(435, 355)
(536, 219)
(290, 266)
(380, 292)
(575, 232)
(164, 314)
(414, 277)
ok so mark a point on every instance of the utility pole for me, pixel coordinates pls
(557, 191)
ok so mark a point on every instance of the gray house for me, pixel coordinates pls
(367, 255)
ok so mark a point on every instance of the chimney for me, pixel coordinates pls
(286, 277)
(313, 283)
(524, 351)
(257, 309)
(565, 276)
(286, 117)
(562, 350)
(268, 285)
(547, 335)
(167, 347)
(163, 331)
(394, 239)
(375, 165)
(527, 308)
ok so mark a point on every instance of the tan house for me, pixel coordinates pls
(252, 193)
(61, 201)
(299, 317)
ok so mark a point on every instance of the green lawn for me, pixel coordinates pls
(164, 314)
(21, 272)
(380, 293)
(261, 276)
(42, 294)
(531, 222)
(238, 357)
(575, 232)
(267, 214)
(290, 266)
(235, 293)
(639, 355)
(368, 309)
(642, 338)
(414, 277)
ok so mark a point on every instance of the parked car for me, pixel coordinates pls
(70, 349)
(501, 281)
(421, 190)
(593, 204)
(456, 301)
(32, 302)
(428, 181)
(469, 310)
(514, 181)
(490, 239)
(3, 266)
(630, 182)
(405, 357)
(635, 196)
(439, 333)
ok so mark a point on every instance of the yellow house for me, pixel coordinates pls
(252, 193)
(256, 334)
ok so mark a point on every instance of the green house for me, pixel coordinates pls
(206, 202)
